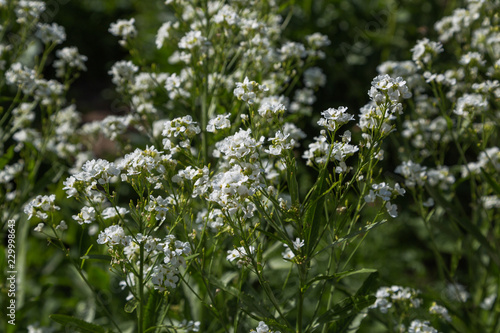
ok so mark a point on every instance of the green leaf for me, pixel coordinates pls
(131, 305)
(369, 285)
(192, 256)
(86, 253)
(98, 277)
(78, 324)
(96, 257)
(491, 181)
(5, 159)
(293, 186)
(314, 206)
(340, 317)
(249, 304)
(362, 230)
(459, 216)
(150, 310)
(345, 309)
(341, 275)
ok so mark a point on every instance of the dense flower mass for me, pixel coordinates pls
(214, 188)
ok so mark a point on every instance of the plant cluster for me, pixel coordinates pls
(219, 211)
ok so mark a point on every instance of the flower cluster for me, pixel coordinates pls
(240, 255)
(386, 193)
(164, 256)
(40, 205)
(321, 151)
(124, 29)
(248, 90)
(334, 118)
(389, 296)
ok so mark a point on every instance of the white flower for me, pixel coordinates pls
(9, 172)
(428, 203)
(440, 311)
(160, 206)
(123, 73)
(298, 243)
(288, 253)
(314, 78)
(239, 145)
(164, 32)
(271, 110)
(391, 209)
(414, 173)
(488, 302)
(112, 236)
(98, 170)
(87, 215)
(280, 142)
(111, 212)
(247, 90)
(263, 328)
(317, 40)
(424, 51)
(333, 118)
(50, 33)
(240, 255)
(69, 57)
(40, 205)
(192, 39)
(472, 59)
(292, 50)
(62, 226)
(386, 296)
(221, 121)
(124, 29)
(226, 14)
(39, 227)
(22, 76)
(184, 126)
(29, 11)
(471, 105)
(386, 88)
(294, 132)
(418, 326)
(457, 292)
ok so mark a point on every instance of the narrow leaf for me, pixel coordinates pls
(131, 305)
(104, 257)
(150, 310)
(362, 230)
(78, 324)
(491, 181)
(5, 159)
(338, 276)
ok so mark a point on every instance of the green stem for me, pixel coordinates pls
(300, 310)
(141, 289)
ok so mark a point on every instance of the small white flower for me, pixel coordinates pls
(391, 209)
(124, 29)
(51, 33)
(428, 203)
(440, 311)
(221, 121)
(298, 243)
(39, 227)
(247, 90)
(192, 39)
(62, 226)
